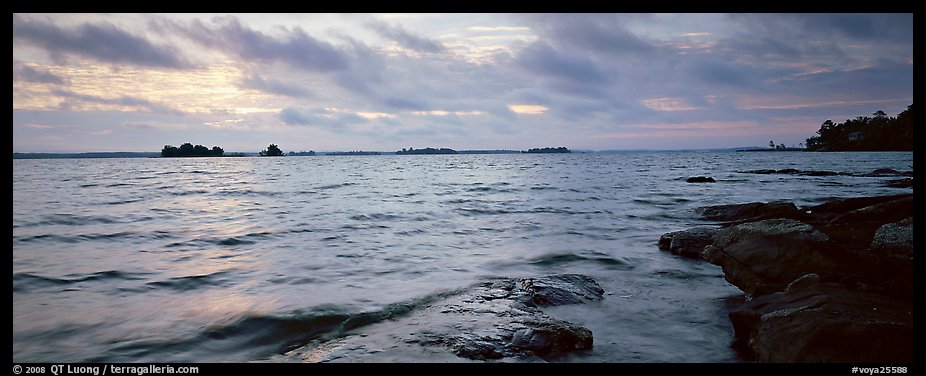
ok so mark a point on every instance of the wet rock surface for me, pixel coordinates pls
(701, 179)
(765, 256)
(826, 283)
(487, 321)
(688, 243)
(749, 212)
(825, 322)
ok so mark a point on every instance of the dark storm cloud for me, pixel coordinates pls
(294, 46)
(118, 101)
(272, 86)
(29, 74)
(405, 38)
(102, 41)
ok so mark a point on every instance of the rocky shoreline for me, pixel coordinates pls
(490, 320)
(824, 283)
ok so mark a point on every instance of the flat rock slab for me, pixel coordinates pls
(491, 320)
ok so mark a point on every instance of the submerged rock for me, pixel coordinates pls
(701, 179)
(825, 322)
(490, 320)
(900, 183)
(688, 243)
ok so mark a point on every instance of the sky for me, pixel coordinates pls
(383, 82)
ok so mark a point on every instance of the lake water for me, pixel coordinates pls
(238, 259)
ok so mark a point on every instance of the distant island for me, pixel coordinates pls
(188, 150)
(343, 153)
(560, 149)
(272, 151)
(301, 153)
(413, 151)
(878, 133)
(489, 151)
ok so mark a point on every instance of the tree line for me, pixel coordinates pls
(876, 133)
(188, 150)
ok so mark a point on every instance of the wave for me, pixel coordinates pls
(23, 282)
(71, 220)
(76, 239)
(335, 186)
(376, 217)
(555, 259)
(261, 336)
(192, 282)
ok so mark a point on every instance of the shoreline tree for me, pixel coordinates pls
(272, 151)
(877, 133)
(188, 150)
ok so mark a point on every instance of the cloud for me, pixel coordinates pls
(102, 42)
(29, 74)
(120, 101)
(498, 28)
(294, 47)
(593, 33)
(404, 38)
(667, 104)
(894, 28)
(328, 118)
(527, 109)
(256, 82)
(541, 58)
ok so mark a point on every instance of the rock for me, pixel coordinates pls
(856, 228)
(821, 173)
(701, 179)
(829, 283)
(551, 337)
(750, 212)
(489, 320)
(802, 281)
(788, 171)
(900, 183)
(829, 210)
(825, 322)
(885, 172)
(764, 257)
(688, 243)
(895, 239)
(561, 289)
(891, 271)
(763, 172)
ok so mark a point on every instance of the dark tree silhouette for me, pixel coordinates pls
(188, 150)
(865, 133)
(272, 151)
(561, 149)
